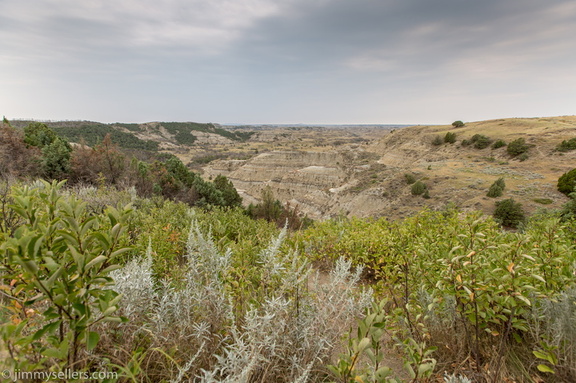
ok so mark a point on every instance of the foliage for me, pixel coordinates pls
(229, 194)
(480, 141)
(55, 157)
(16, 157)
(93, 134)
(199, 329)
(103, 163)
(498, 144)
(59, 261)
(214, 296)
(567, 182)
(272, 210)
(418, 188)
(39, 135)
(509, 213)
(437, 141)
(450, 137)
(497, 188)
(183, 131)
(543, 201)
(369, 343)
(517, 147)
(567, 145)
(366, 343)
(410, 179)
(458, 124)
(568, 211)
(459, 281)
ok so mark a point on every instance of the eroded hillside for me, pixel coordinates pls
(369, 179)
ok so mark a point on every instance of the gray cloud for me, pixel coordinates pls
(280, 60)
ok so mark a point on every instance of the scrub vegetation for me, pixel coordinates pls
(111, 263)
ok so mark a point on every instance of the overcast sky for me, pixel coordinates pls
(287, 61)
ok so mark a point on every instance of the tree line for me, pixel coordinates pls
(37, 151)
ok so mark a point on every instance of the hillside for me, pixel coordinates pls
(369, 179)
(151, 136)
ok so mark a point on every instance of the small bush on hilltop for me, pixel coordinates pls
(458, 124)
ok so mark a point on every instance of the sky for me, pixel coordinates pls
(287, 61)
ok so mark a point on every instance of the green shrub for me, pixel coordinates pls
(567, 145)
(418, 188)
(59, 260)
(229, 193)
(458, 124)
(55, 159)
(437, 141)
(497, 188)
(523, 157)
(517, 147)
(450, 138)
(410, 179)
(509, 213)
(443, 268)
(480, 141)
(498, 144)
(567, 182)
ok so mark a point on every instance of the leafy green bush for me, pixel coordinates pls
(494, 191)
(517, 147)
(263, 312)
(442, 269)
(497, 188)
(458, 124)
(567, 145)
(410, 179)
(567, 182)
(480, 141)
(523, 157)
(418, 188)
(55, 158)
(509, 213)
(498, 144)
(450, 138)
(59, 261)
(229, 193)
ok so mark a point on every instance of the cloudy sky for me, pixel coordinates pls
(287, 61)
